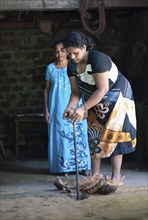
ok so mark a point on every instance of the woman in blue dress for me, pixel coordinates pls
(60, 132)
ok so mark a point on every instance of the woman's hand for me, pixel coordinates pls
(78, 115)
(47, 117)
(68, 113)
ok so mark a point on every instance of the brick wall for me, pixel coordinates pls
(24, 56)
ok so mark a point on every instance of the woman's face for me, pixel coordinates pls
(76, 54)
(60, 52)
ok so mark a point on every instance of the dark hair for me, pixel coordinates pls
(58, 42)
(78, 39)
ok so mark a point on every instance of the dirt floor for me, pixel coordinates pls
(27, 192)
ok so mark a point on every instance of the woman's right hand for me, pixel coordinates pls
(68, 113)
(47, 117)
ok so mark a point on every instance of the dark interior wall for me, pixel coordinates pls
(126, 40)
(25, 51)
(24, 56)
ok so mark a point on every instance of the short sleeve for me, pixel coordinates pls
(100, 62)
(71, 68)
(48, 72)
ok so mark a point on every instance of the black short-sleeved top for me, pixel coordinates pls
(98, 62)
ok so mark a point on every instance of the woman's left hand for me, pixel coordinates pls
(78, 115)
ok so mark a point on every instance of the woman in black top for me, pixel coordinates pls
(109, 102)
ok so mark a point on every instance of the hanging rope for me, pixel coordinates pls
(85, 17)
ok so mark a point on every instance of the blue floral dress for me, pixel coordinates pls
(60, 132)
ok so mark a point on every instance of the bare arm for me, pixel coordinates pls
(46, 95)
(102, 85)
(75, 92)
(74, 97)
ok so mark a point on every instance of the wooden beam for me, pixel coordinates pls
(17, 25)
(65, 5)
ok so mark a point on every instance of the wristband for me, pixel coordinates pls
(83, 107)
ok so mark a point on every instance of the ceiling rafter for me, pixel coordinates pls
(65, 5)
